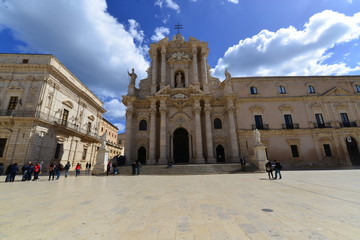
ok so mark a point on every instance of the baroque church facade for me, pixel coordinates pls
(181, 113)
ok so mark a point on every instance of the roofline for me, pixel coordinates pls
(110, 123)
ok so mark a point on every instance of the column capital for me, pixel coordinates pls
(163, 110)
(163, 50)
(197, 109)
(230, 108)
(207, 109)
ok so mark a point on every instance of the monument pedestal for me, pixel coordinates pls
(102, 160)
(260, 156)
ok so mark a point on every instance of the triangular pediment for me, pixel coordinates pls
(336, 91)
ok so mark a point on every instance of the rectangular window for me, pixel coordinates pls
(258, 122)
(253, 90)
(65, 117)
(327, 150)
(282, 90)
(357, 88)
(12, 104)
(294, 151)
(89, 127)
(288, 121)
(25, 61)
(345, 119)
(319, 120)
(2, 146)
(84, 154)
(311, 89)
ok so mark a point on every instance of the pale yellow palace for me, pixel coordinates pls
(183, 114)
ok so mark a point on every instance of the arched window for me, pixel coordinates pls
(253, 90)
(282, 90)
(217, 123)
(311, 89)
(143, 125)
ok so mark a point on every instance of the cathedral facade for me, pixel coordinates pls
(181, 113)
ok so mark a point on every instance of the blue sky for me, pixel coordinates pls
(100, 40)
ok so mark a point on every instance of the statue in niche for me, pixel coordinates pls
(133, 76)
(227, 75)
(257, 136)
(179, 83)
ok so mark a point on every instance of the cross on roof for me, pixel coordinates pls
(178, 27)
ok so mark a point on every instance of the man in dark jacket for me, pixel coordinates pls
(269, 169)
(277, 169)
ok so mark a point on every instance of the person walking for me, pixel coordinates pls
(269, 169)
(67, 168)
(51, 171)
(133, 168)
(36, 171)
(58, 169)
(25, 171)
(277, 169)
(242, 162)
(77, 169)
(8, 172)
(138, 167)
(108, 167)
(13, 170)
(115, 169)
(87, 168)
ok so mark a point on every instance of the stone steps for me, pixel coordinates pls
(190, 169)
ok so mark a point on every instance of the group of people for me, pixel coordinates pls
(30, 171)
(274, 166)
(114, 167)
(136, 167)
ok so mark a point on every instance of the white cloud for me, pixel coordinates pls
(234, 1)
(160, 33)
(289, 51)
(85, 38)
(115, 109)
(121, 127)
(169, 4)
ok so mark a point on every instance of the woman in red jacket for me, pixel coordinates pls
(36, 171)
(77, 169)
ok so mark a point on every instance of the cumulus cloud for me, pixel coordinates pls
(160, 33)
(234, 1)
(84, 37)
(289, 51)
(169, 4)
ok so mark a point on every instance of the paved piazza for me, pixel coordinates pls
(303, 205)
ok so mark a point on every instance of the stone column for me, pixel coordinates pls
(163, 137)
(233, 133)
(209, 136)
(198, 135)
(205, 73)
(186, 84)
(152, 140)
(195, 67)
(154, 72)
(163, 67)
(128, 134)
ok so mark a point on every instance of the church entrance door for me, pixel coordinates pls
(220, 153)
(181, 146)
(353, 151)
(142, 155)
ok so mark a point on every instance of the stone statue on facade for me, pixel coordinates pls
(227, 75)
(133, 77)
(103, 141)
(179, 82)
(257, 136)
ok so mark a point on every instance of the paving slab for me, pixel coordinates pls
(302, 205)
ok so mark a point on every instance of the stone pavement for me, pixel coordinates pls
(302, 205)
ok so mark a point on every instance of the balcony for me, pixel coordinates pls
(323, 125)
(348, 124)
(260, 127)
(290, 126)
(64, 126)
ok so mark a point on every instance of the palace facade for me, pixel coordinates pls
(183, 114)
(46, 113)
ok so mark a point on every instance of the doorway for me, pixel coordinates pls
(181, 146)
(353, 150)
(220, 154)
(142, 155)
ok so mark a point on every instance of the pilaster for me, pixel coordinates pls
(152, 142)
(163, 142)
(163, 67)
(209, 136)
(198, 134)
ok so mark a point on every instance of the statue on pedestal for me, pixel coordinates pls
(257, 136)
(133, 76)
(179, 82)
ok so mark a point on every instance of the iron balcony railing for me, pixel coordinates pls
(260, 127)
(50, 119)
(348, 124)
(290, 126)
(322, 125)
